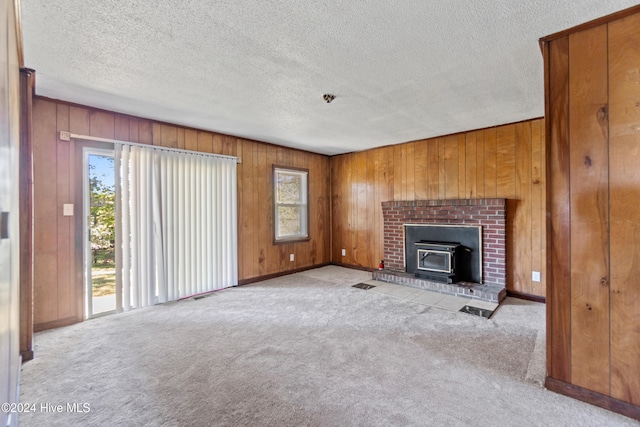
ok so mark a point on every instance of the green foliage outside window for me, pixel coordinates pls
(101, 219)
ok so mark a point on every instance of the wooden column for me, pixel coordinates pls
(624, 158)
(589, 217)
(558, 252)
(592, 86)
(26, 215)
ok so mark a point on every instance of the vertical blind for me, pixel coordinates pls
(177, 225)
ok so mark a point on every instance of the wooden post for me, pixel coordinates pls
(27, 77)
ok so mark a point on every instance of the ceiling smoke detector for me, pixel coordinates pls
(328, 97)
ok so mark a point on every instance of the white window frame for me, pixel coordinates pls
(303, 204)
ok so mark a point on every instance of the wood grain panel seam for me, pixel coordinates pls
(608, 109)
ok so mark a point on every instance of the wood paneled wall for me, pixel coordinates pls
(58, 289)
(593, 109)
(499, 162)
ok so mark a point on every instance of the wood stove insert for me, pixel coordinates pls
(446, 262)
(462, 242)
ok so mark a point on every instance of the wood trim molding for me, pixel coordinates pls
(26, 355)
(279, 274)
(56, 323)
(591, 24)
(353, 267)
(527, 297)
(18, 16)
(593, 398)
(298, 270)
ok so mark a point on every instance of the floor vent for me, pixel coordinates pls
(482, 312)
(363, 286)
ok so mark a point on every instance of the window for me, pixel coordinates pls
(291, 213)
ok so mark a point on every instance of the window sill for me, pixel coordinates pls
(292, 240)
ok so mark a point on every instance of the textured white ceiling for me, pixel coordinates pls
(400, 70)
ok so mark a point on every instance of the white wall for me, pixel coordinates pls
(9, 243)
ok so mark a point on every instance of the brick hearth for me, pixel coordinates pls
(490, 214)
(491, 293)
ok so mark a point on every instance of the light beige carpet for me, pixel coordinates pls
(301, 350)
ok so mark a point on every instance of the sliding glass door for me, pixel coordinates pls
(99, 235)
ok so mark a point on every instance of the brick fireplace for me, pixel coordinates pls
(490, 214)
